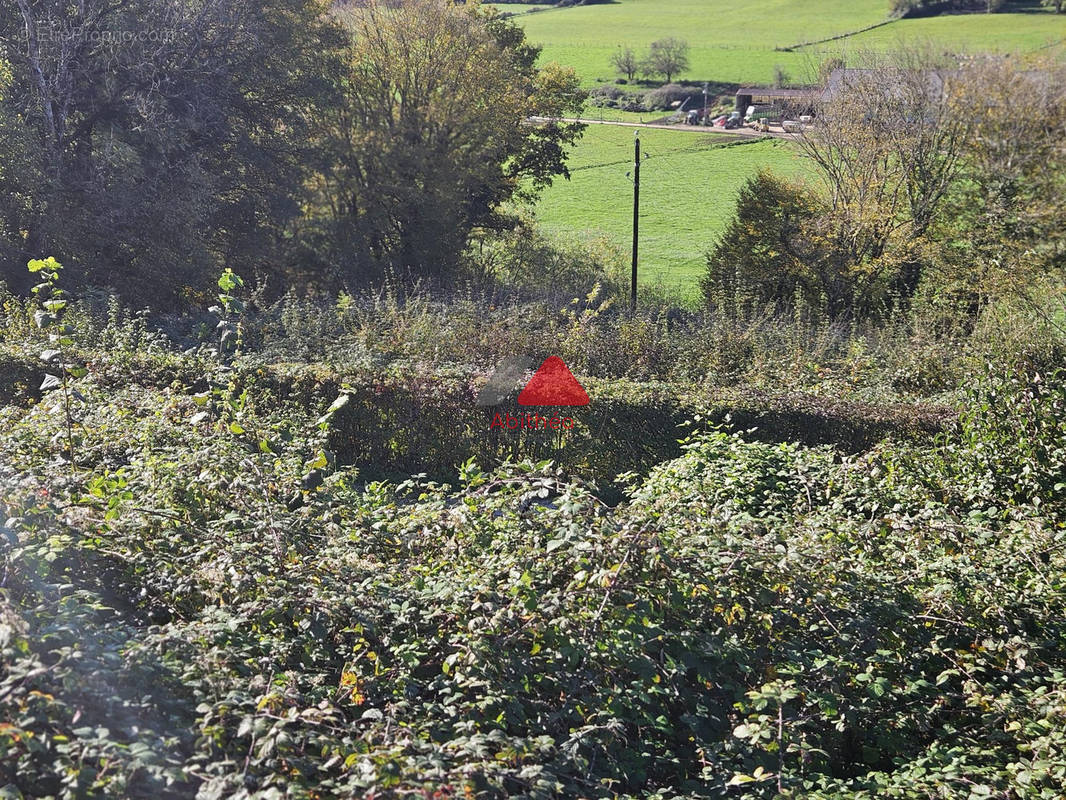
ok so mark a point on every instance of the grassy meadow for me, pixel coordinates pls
(736, 42)
(688, 189)
(689, 192)
(999, 33)
(726, 45)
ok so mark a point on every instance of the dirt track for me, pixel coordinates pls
(679, 127)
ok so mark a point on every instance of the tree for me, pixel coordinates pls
(667, 57)
(951, 167)
(785, 247)
(888, 143)
(1058, 6)
(431, 137)
(625, 62)
(754, 262)
(161, 137)
(17, 177)
(1005, 214)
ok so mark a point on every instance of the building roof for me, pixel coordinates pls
(764, 91)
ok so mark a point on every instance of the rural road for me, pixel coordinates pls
(655, 126)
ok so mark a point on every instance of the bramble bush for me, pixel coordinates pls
(192, 614)
(224, 598)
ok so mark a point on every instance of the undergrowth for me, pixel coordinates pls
(190, 614)
(217, 601)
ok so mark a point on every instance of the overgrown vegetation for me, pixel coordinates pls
(260, 540)
(216, 603)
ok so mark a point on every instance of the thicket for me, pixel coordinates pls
(212, 603)
(926, 8)
(661, 98)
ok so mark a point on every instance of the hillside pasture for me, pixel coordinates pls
(688, 188)
(738, 42)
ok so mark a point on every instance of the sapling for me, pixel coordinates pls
(50, 316)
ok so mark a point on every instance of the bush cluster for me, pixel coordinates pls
(663, 98)
(226, 584)
(212, 605)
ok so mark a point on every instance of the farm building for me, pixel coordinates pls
(794, 99)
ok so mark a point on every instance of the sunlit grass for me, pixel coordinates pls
(735, 42)
(688, 190)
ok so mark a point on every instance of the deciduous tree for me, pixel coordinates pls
(667, 57)
(888, 142)
(433, 135)
(625, 62)
(162, 137)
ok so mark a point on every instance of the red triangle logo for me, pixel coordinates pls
(553, 385)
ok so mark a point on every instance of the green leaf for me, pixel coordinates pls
(334, 407)
(739, 779)
(229, 280)
(38, 265)
(235, 427)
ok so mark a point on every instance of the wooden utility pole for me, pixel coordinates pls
(636, 221)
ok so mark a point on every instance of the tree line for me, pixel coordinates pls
(148, 144)
(916, 8)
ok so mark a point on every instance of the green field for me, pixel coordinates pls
(735, 42)
(1012, 33)
(688, 190)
